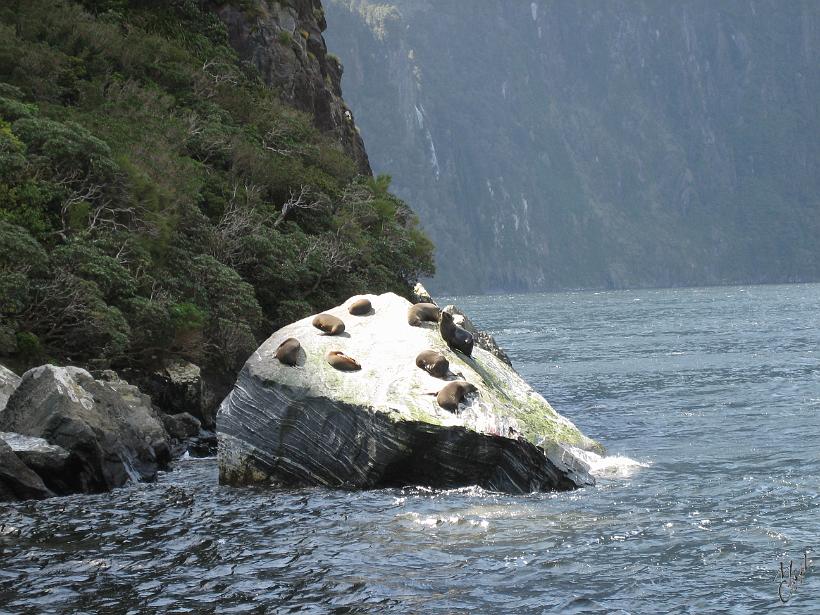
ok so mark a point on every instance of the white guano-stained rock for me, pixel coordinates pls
(381, 426)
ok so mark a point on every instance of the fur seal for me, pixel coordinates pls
(329, 324)
(341, 361)
(360, 307)
(422, 312)
(453, 393)
(288, 351)
(456, 337)
(434, 363)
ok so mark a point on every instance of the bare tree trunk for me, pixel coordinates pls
(304, 200)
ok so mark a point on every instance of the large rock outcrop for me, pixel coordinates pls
(110, 429)
(381, 426)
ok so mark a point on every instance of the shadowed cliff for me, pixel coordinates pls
(580, 144)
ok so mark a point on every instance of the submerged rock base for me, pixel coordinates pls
(277, 434)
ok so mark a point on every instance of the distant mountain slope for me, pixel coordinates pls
(595, 144)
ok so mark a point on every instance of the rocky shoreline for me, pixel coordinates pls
(63, 431)
(384, 424)
(304, 419)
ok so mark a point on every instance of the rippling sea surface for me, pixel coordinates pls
(707, 399)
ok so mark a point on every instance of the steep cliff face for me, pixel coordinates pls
(578, 144)
(284, 41)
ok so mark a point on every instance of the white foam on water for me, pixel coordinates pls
(187, 457)
(609, 466)
(439, 520)
(472, 491)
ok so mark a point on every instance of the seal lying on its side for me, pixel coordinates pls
(288, 351)
(342, 362)
(329, 324)
(360, 307)
(422, 312)
(453, 393)
(456, 337)
(434, 363)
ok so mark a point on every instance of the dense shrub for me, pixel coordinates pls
(157, 200)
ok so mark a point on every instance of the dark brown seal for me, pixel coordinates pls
(341, 361)
(288, 351)
(422, 312)
(329, 324)
(434, 363)
(456, 337)
(453, 393)
(360, 307)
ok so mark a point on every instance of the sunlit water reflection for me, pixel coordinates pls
(707, 399)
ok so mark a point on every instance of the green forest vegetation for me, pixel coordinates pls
(157, 200)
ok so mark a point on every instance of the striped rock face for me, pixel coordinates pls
(310, 424)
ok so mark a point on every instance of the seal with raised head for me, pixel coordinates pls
(456, 337)
(360, 307)
(288, 351)
(453, 394)
(342, 362)
(329, 324)
(422, 312)
(434, 363)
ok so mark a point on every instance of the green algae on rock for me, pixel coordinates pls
(313, 425)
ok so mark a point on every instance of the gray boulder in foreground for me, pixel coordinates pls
(17, 481)
(8, 382)
(52, 463)
(381, 426)
(109, 429)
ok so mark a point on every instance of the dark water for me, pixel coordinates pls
(715, 391)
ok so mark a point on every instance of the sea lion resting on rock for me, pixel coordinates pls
(288, 351)
(329, 324)
(456, 337)
(341, 361)
(434, 363)
(453, 393)
(360, 307)
(422, 312)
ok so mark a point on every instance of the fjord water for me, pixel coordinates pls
(709, 403)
